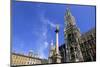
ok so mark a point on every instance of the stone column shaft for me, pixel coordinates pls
(57, 51)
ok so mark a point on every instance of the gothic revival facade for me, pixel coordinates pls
(88, 45)
(77, 47)
(72, 39)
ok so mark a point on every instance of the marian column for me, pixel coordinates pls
(57, 55)
(57, 31)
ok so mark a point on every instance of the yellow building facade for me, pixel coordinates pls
(20, 59)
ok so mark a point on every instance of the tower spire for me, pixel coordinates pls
(68, 13)
(69, 18)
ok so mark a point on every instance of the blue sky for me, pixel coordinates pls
(33, 24)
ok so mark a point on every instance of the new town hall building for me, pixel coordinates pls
(77, 47)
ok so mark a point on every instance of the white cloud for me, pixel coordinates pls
(42, 48)
(44, 33)
(50, 23)
(46, 20)
(42, 43)
(42, 55)
(46, 44)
